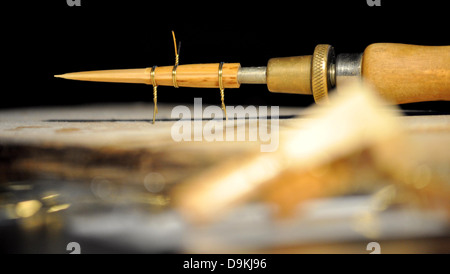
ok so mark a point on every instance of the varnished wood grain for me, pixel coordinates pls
(408, 73)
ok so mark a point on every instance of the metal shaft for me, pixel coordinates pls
(252, 75)
(294, 74)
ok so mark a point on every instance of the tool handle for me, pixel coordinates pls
(408, 73)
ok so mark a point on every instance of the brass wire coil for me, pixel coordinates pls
(222, 89)
(177, 59)
(155, 92)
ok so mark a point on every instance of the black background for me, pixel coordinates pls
(44, 38)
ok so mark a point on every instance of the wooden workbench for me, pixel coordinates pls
(119, 143)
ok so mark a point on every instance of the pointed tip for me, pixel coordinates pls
(69, 76)
(119, 75)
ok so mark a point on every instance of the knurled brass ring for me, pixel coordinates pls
(322, 56)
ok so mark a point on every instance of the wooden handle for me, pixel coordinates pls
(408, 73)
(198, 75)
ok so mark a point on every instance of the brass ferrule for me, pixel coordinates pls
(290, 74)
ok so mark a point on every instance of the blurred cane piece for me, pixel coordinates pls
(347, 146)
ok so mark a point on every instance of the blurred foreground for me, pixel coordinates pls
(344, 175)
